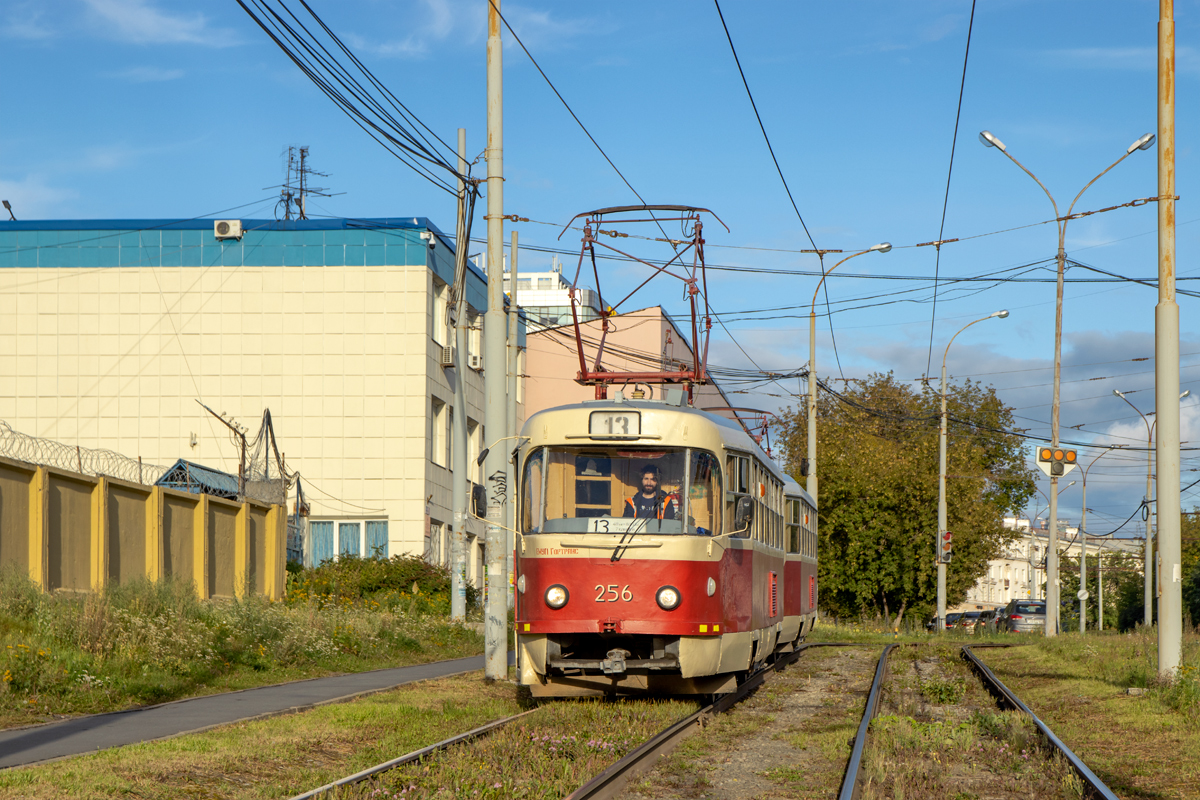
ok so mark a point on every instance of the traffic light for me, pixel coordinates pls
(945, 548)
(1055, 461)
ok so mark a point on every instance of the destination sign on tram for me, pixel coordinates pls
(615, 423)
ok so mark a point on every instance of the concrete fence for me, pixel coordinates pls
(81, 533)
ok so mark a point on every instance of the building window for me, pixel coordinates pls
(441, 320)
(328, 540)
(349, 539)
(438, 421)
(524, 284)
(545, 284)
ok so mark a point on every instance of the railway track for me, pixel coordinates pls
(852, 784)
(612, 781)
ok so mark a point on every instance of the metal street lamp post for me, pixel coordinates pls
(1148, 554)
(1083, 547)
(989, 140)
(941, 564)
(811, 485)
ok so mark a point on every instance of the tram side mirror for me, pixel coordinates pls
(743, 514)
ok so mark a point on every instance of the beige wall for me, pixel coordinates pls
(639, 341)
(115, 358)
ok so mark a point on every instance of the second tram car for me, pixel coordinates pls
(659, 551)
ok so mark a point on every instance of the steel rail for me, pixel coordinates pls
(1006, 697)
(850, 789)
(415, 755)
(609, 783)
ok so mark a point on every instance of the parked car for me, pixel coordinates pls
(1025, 616)
(953, 619)
(987, 621)
(968, 622)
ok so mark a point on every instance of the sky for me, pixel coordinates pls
(162, 109)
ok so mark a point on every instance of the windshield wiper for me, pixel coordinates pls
(632, 531)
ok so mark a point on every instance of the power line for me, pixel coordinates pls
(575, 117)
(937, 264)
(762, 127)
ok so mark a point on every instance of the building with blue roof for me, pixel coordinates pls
(111, 330)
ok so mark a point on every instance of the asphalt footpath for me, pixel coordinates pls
(79, 735)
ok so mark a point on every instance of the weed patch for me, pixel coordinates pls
(143, 643)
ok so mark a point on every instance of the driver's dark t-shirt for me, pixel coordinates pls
(648, 507)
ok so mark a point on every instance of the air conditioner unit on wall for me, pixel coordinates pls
(227, 228)
(475, 362)
(447, 355)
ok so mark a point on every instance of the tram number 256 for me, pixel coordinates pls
(609, 594)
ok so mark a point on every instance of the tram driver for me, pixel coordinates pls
(652, 502)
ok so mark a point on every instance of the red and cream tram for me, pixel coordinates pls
(660, 551)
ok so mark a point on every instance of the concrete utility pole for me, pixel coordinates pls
(511, 429)
(1166, 363)
(459, 496)
(495, 665)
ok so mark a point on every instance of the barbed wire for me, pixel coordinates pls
(49, 453)
(262, 483)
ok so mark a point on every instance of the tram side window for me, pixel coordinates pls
(531, 511)
(737, 468)
(704, 506)
(793, 526)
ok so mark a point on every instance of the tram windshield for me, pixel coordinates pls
(589, 490)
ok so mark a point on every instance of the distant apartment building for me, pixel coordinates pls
(638, 341)
(112, 330)
(1019, 573)
(545, 298)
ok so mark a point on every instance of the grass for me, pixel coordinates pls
(278, 757)
(145, 643)
(546, 756)
(939, 735)
(1142, 746)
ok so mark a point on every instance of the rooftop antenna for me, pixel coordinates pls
(295, 188)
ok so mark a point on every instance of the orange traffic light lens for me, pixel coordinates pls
(1070, 456)
(1058, 455)
(1045, 454)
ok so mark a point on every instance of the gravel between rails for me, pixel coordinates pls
(790, 739)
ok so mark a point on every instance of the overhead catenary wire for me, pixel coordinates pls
(937, 264)
(395, 132)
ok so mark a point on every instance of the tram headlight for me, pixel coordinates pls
(711, 588)
(521, 584)
(667, 598)
(557, 596)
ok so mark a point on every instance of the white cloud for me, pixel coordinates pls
(139, 22)
(463, 22)
(32, 198)
(146, 74)
(24, 21)
(1142, 59)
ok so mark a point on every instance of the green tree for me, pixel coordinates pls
(877, 509)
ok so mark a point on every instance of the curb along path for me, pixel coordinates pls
(80, 735)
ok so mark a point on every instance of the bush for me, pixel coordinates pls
(403, 582)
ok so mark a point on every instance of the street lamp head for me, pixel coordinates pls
(999, 314)
(1119, 393)
(1184, 393)
(1144, 143)
(882, 247)
(991, 141)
